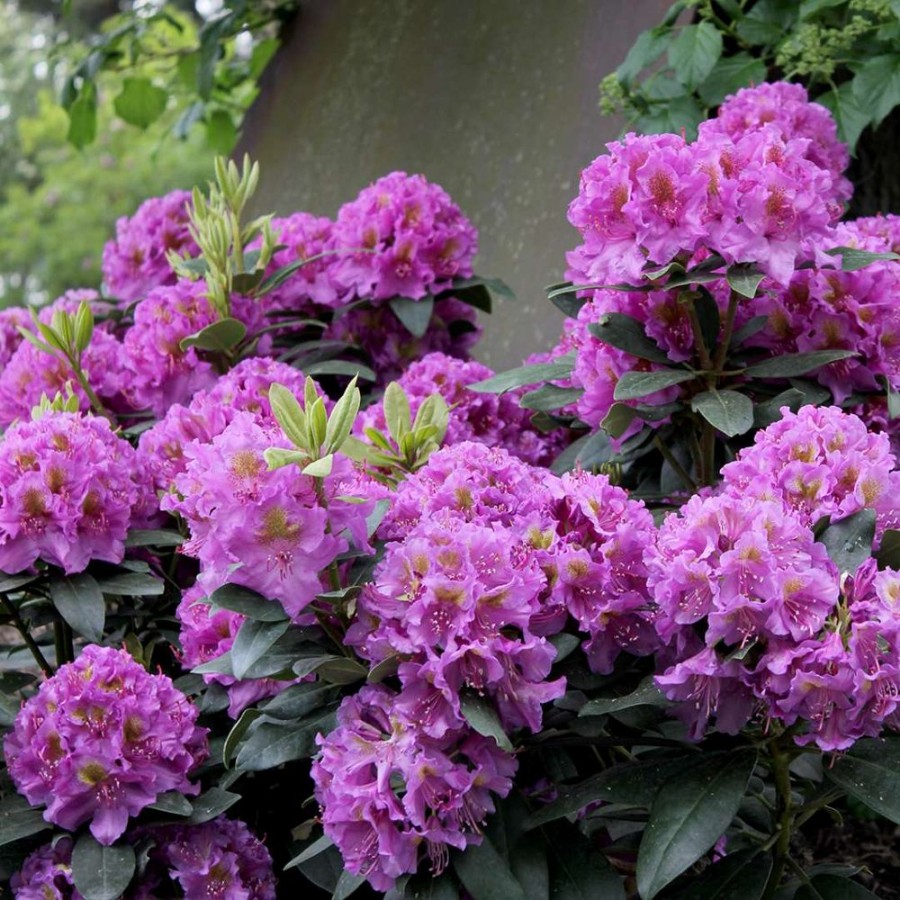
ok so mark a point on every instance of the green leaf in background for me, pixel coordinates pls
(853, 259)
(727, 411)
(485, 873)
(18, 819)
(588, 451)
(876, 87)
(414, 314)
(833, 887)
(221, 132)
(851, 118)
(690, 813)
(133, 584)
(695, 52)
(634, 385)
(578, 871)
(646, 694)
(140, 102)
(513, 378)
(888, 555)
(549, 398)
(849, 541)
(730, 74)
(83, 117)
(648, 48)
(79, 600)
(739, 876)
(101, 873)
(870, 772)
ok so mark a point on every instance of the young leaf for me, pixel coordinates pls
(633, 385)
(289, 415)
(79, 600)
(342, 417)
(319, 468)
(728, 411)
(101, 873)
(690, 813)
(396, 412)
(414, 314)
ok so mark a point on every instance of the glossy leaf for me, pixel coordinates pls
(870, 772)
(634, 385)
(849, 541)
(153, 538)
(646, 694)
(101, 873)
(270, 744)
(340, 367)
(79, 600)
(300, 700)
(727, 411)
(689, 814)
(172, 803)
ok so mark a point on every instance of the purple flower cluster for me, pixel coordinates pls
(69, 489)
(101, 740)
(46, 874)
(493, 419)
(414, 240)
(762, 195)
(11, 320)
(135, 263)
(821, 461)
(261, 528)
(392, 794)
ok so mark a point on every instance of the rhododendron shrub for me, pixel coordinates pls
(309, 601)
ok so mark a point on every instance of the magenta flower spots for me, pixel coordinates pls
(101, 740)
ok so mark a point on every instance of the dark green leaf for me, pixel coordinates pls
(729, 75)
(689, 814)
(849, 541)
(340, 367)
(578, 871)
(646, 694)
(221, 336)
(253, 640)
(739, 876)
(238, 730)
(619, 418)
(767, 22)
(853, 259)
(300, 700)
(341, 670)
(483, 718)
(695, 52)
(173, 803)
(626, 333)
(870, 772)
(79, 600)
(888, 555)
(513, 378)
(744, 279)
(221, 133)
(133, 584)
(728, 411)
(793, 364)
(248, 603)
(550, 397)
(153, 538)
(270, 744)
(140, 102)
(101, 873)
(485, 873)
(876, 87)
(833, 887)
(9, 583)
(18, 819)
(708, 316)
(748, 329)
(212, 803)
(320, 845)
(568, 304)
(347, 885)
(633, 783)
(634, 385)
(414, 314)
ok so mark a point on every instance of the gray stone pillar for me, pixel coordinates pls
(494, 100)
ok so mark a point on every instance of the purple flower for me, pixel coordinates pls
(134, 263)
(101, 740)
(69, 489)
(46, 874)
(414, 237)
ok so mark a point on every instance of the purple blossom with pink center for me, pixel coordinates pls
(218, 860)
(493, 419)
(390, 347)
(243, 388)
(134, 262)
(206, 634)
(414, 237)
(788, 108)
(448, 787)
(69, 490)
(46, 874)
(820, 461)
(261, 528)
(101, 740)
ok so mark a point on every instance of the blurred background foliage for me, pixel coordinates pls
(103, 104)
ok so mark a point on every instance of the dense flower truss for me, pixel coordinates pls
(412, 240)
(219, 860)
(101, 740)
(387, 343)
(392, 794)
(493, 419)
(245, 388)
(261, 528)
(821, 461)
(134, 263)
(69, 488)
(46, 874)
